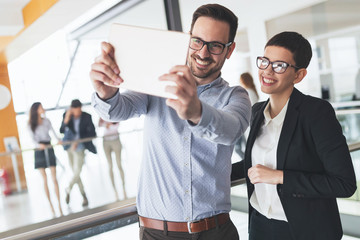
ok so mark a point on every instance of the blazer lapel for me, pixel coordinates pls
(288, 128)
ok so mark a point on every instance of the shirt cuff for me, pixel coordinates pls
(102, 107)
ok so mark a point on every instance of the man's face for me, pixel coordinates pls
(203, 65)
(76, 112)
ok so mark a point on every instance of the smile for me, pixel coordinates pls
(268, 81)
(201, 62)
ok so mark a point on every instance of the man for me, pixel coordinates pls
(184, 182)
(77, 125)
(296, 161)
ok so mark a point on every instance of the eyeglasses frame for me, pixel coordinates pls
(272, 67)
(207, 45)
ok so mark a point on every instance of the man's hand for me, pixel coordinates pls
(261, 174)
(68, 115)
(42, 146)
(188, 105)
(74, 145)
(105, 72)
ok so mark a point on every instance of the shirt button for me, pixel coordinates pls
(187, 219)
(186, 138)
(186, 164)
(187, 191)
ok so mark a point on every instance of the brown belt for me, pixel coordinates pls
(190, 227)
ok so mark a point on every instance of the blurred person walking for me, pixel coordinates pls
(246, 81)
(39, 128)
(77, 125)
(112, 144)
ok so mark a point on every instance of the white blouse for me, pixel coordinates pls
(265, 198)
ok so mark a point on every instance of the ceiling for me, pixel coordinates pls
(74, 13)
(65, 13)
(11, 20)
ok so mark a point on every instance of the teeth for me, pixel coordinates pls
(266, 80)
(202, 62)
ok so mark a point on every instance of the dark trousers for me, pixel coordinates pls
(226, 231)
(262, 228)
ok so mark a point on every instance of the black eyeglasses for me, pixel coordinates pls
(215, 48)
(277, 66)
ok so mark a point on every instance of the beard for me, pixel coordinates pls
(204, 73)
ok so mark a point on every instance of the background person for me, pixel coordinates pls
(247, 82)
(296, 161)
(77, 125)
(40, 128)
(112, 144)
(184, 182)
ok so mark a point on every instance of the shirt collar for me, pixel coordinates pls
(201, 88)
(279, 119)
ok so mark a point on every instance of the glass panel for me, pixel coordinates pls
(38, 75)
(356, 161)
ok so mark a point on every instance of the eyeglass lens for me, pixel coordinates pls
(213, 47)
(278, 67)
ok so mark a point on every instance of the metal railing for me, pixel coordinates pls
(80, 227)
(16, 152)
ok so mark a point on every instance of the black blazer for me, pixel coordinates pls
(315, 158)
(86, 128)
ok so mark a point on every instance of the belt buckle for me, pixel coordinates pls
(189, 227)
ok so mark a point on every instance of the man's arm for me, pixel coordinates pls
(63, 124)
(223, 126)
(188, 105)
(226, 124)
(107, 101)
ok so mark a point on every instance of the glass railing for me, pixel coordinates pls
(29, 210)
(348, 114)
(104, 213)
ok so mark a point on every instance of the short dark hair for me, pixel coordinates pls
(296, 44)
(220, 13)
(76, 103)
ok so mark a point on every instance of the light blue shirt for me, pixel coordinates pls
(185, 171)
(80, 146)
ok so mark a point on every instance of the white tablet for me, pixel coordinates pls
(144, 54)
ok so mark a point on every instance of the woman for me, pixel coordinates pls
(44, 155)
(296, 161)
(111, 143)
(247, 82)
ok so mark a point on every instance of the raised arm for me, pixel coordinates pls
(105, 72)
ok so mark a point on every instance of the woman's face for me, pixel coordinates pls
(275, 83)
(40, 110)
